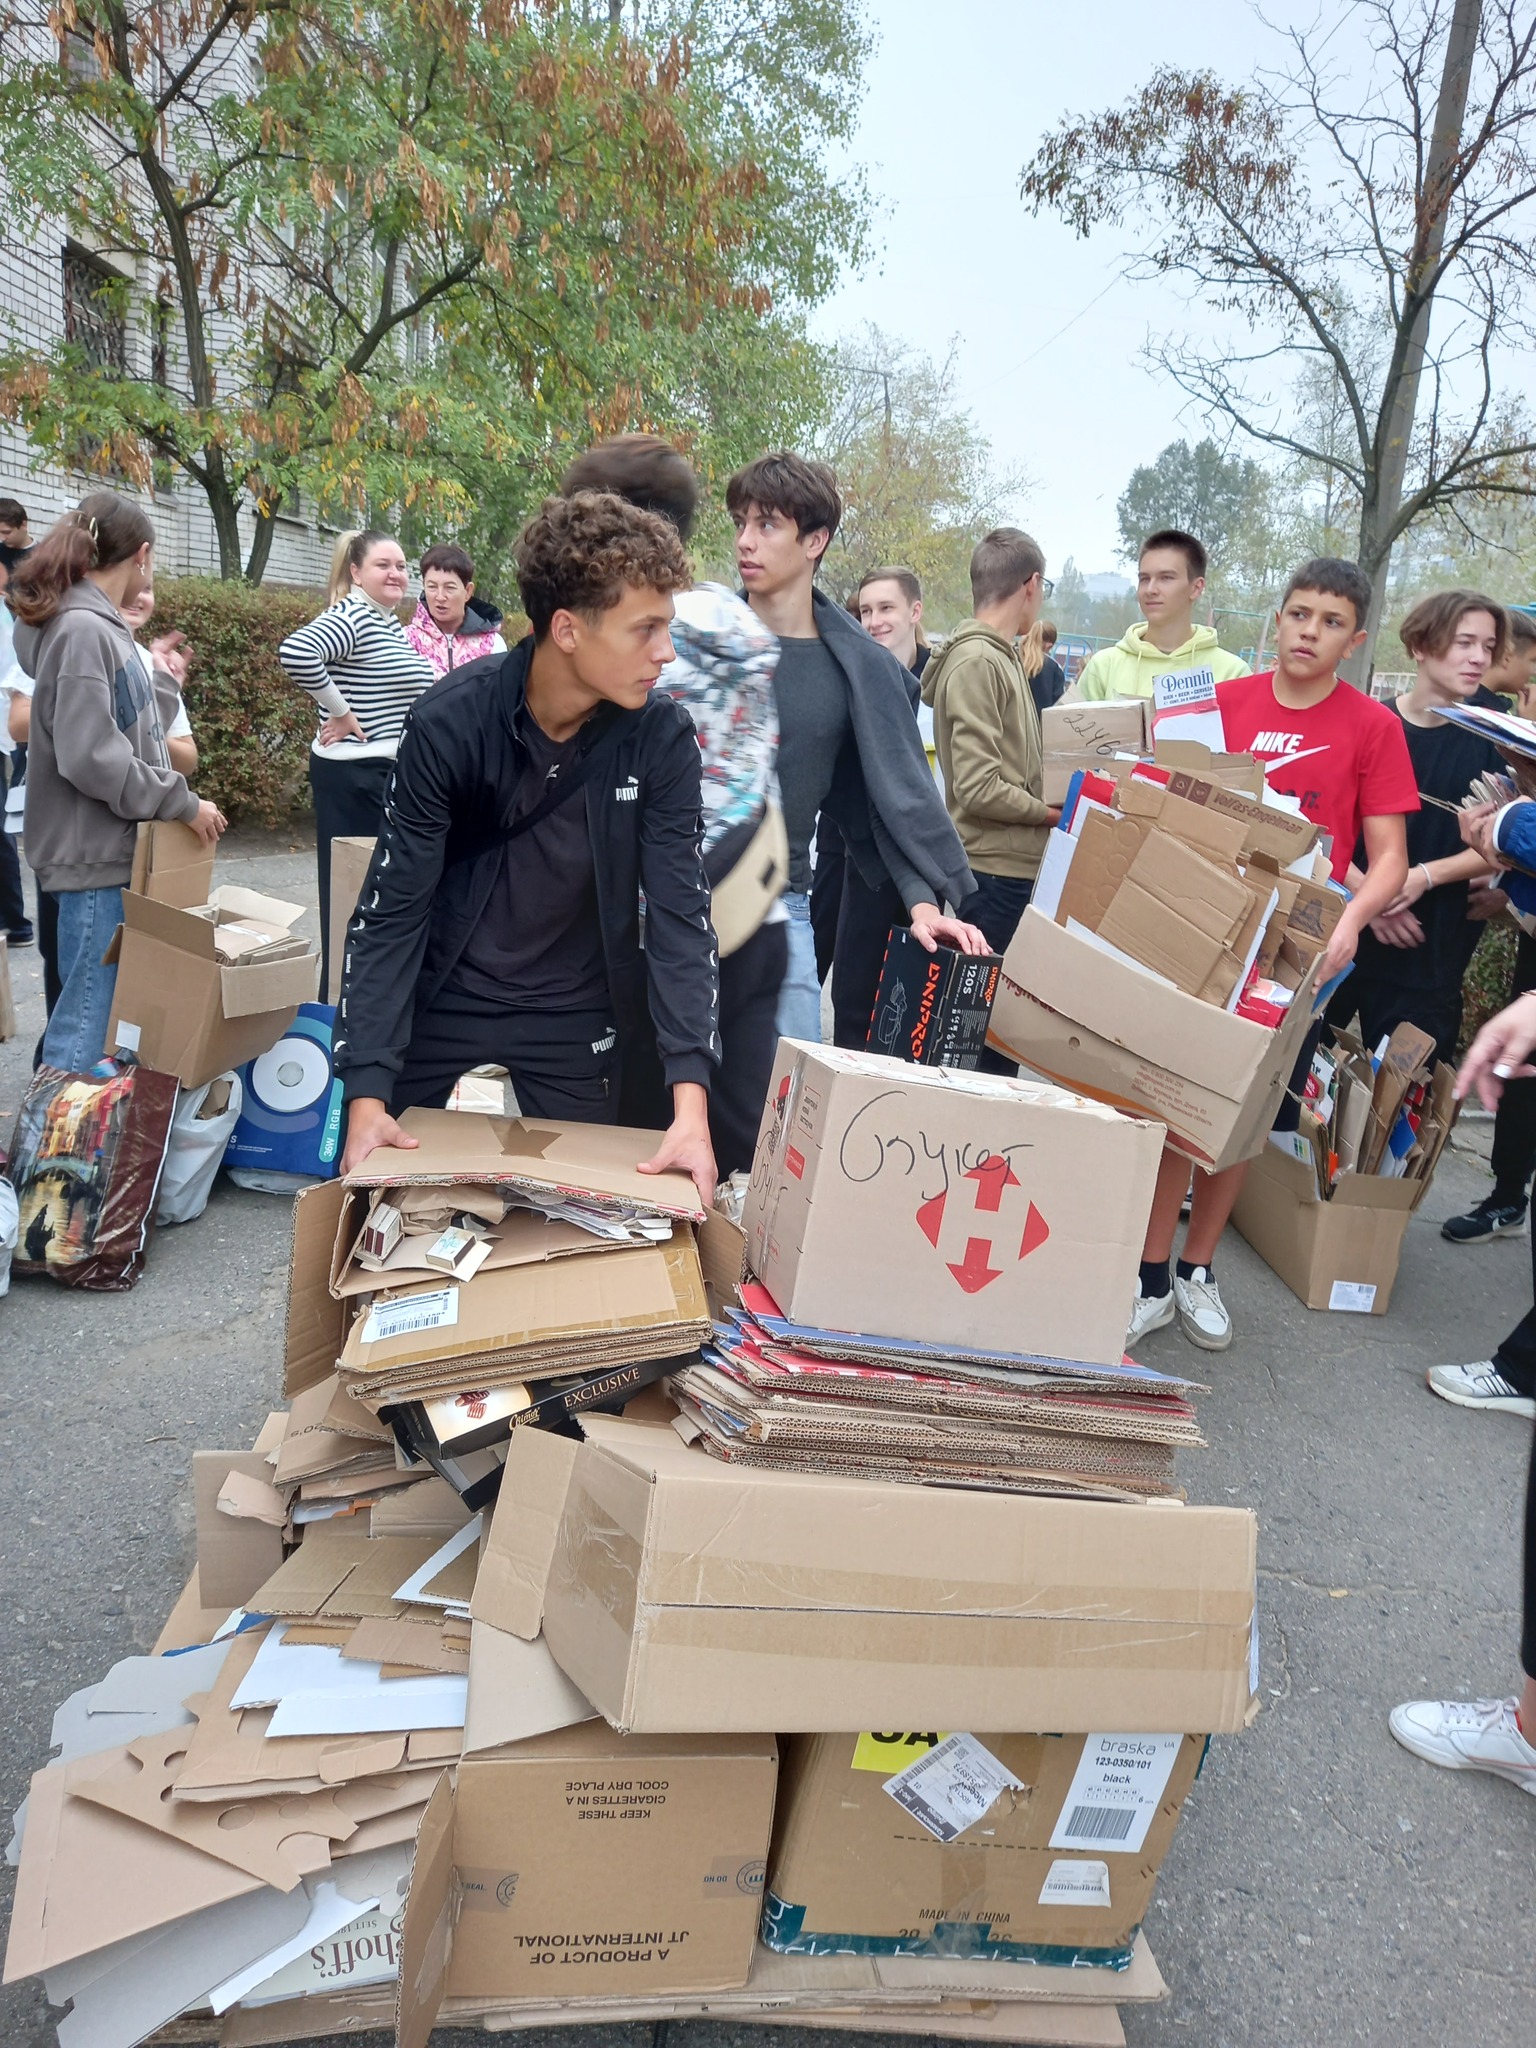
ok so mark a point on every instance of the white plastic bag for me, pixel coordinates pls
(8, 1226)
(200, 1129)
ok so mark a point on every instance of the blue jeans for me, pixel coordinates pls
(77, 1029)
(799, 1012)
(998, 904)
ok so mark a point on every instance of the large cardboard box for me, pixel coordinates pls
(1072, 1013)
(1338, 1254)
(1060, 1869)
(182, 1004)
(972, 1209)
(619, 1864)
(682, 1594)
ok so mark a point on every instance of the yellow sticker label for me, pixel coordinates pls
(891, 1753)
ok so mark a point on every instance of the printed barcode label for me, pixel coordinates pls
(1359, 1296)
(1116, 1789)
(1101, 1823)
(953, 1786)
(1076, 1884)
(413, 1312)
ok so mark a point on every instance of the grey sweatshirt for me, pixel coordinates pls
(97, 763)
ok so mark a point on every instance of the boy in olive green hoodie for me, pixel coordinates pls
(1170, 577)
(987, 731)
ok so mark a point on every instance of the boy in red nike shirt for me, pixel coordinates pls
(1344, 757)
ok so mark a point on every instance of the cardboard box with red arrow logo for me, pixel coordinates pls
(949, 1207)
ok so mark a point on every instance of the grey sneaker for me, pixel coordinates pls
(1467, 1735)
(1149, 1312)
(1202, 1313)
(1478, 1386)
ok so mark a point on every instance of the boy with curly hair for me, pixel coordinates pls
(535, 795)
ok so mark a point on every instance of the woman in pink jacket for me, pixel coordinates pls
(451, 626)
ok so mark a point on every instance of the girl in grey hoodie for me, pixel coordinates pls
(97, 763)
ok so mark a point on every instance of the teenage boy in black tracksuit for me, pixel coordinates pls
(472, 945)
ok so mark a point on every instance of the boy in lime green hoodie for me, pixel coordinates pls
(1170, 576)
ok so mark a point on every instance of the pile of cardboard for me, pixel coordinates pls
(399, 1762)
(1327, 1206)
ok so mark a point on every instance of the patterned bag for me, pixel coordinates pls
(86, 1161)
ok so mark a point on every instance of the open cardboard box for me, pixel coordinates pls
(1077, 1016)
(206, 978)
(679, 1594)
(1338, 1254)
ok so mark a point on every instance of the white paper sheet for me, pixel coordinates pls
(329, 1912)
(391, 1705)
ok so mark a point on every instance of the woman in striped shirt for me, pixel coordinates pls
(364, 676)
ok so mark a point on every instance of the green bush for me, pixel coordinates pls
(1485, 990)
(252, 725)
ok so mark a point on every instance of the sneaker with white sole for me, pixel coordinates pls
(1149, 1312)
(1488, 1220)
(1481, 1385)
(1201, 1311)
(1467, 1735)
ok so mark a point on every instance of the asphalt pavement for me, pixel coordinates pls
(1324, 1886)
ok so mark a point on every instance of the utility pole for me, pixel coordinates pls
(1384, 491)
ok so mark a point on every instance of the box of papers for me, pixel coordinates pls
(1022, 1848)
(681, 1594)
(1089, 1020)
(964, 1209)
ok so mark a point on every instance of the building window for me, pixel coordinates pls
(94, 315)
(77, 53)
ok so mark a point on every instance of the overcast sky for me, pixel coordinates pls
(960, 94)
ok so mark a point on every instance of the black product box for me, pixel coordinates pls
(457, 1425)
(932, 1008)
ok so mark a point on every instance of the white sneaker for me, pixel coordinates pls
(1149, 1312)
(1467, 1735)
(1202, 1313)
(1478, 1386)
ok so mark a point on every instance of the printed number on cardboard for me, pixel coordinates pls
(436, 1311)
(1116, 1789)
(953, 1786)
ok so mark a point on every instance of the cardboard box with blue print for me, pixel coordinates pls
(971, 1210)
(206, 978)
(1021, 1848)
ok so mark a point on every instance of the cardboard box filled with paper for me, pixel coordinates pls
(1327, 1206)
(494, 1629)
(1167, 961)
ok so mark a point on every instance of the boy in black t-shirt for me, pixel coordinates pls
(1412, 957)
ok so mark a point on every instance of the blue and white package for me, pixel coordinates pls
(291, 1123)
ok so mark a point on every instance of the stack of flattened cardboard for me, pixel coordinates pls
(944, 1265)
(1328, 1205)
(506, 1272)
(1168, 958)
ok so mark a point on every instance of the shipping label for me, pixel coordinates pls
(413, 1312)
(952, 1786)
(1115, 1791)
(1076, 1881)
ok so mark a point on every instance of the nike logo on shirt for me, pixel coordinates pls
(1286, 744)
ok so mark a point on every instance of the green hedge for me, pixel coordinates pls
(252, 725)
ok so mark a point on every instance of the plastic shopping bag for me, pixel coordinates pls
(200, 1129)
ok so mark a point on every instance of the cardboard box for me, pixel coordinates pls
(350, 859)
(932, 1008)
(581, 1857)
(1059, 1870)
(681, 1594)
(1079, 735)
(172, 865)
(187, 1008)
(1338, 1254)
(1075, 1015)
(969, 1209)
